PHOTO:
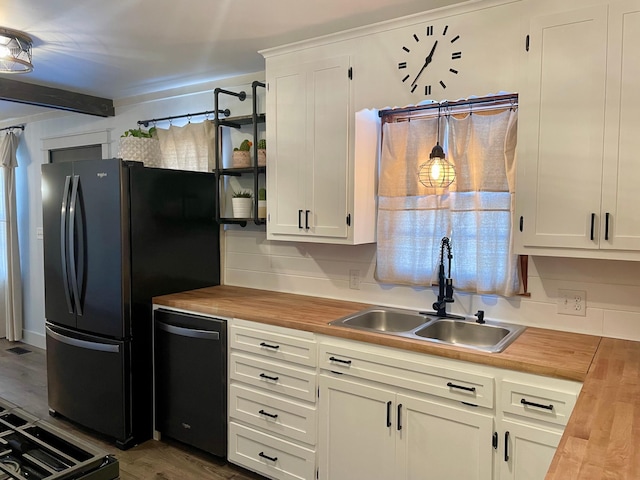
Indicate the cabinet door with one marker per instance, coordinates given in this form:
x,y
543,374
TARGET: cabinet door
x,y
440,442
562,123
526,451
621,173
357,431
308,106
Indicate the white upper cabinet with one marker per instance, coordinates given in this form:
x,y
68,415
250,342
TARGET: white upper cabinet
x,y
576,173
320,187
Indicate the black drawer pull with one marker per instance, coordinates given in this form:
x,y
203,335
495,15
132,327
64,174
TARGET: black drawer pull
x,y
461,387
606,226
339,360
275,379
538,405
593,226
389,414
273,459
399,416
299,218
275,347
272,415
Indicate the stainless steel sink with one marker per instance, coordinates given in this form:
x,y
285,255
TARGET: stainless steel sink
x,y
489,336
384,320
492,337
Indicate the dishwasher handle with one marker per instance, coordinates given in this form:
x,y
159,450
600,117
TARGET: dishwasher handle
x,y
189,332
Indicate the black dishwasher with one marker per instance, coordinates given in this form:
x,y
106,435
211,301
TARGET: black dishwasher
x,y
190,372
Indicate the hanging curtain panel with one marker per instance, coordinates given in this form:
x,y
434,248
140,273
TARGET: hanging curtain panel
x,y
10,278
187,148
475,212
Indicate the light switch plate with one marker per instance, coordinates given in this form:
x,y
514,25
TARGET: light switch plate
x,y
572,302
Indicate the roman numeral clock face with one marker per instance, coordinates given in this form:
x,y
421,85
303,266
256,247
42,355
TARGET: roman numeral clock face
x,y
430,60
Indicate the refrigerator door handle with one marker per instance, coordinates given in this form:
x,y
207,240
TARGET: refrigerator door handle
x,y
63,242
72,254
75,342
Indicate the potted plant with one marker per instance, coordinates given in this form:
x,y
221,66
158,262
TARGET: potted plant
x,y
140,145
242,201
262,203
241,157
262,153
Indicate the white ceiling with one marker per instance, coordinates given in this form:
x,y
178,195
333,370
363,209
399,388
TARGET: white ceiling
x,y
122,48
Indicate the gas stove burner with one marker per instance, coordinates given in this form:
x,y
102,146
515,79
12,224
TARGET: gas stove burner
x,y
11,466
33,449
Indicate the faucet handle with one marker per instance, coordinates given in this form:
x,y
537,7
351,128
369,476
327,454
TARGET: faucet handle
x,y
480,315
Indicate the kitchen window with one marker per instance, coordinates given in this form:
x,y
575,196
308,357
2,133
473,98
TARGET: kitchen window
x,y
475,211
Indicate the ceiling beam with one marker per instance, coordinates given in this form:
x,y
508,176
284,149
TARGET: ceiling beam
x,y
21,92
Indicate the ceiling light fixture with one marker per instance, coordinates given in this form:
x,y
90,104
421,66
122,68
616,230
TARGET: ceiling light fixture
x,y
437,172
15,51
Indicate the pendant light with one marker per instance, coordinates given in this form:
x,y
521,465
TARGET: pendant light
x,y
437,172
15,51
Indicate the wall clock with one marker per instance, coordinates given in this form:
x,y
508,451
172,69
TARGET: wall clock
x,y
429,58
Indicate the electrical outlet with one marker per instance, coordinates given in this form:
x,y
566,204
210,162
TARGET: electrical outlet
x,y
572,302
354,279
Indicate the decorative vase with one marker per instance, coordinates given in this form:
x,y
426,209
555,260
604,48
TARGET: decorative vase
x,y
241,159
262,209
145,150
262,157
242,207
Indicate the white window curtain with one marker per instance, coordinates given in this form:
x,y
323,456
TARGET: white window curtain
x,y
10,278
189,147
475,211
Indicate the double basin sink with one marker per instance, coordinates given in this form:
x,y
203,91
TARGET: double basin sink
x,y
489,336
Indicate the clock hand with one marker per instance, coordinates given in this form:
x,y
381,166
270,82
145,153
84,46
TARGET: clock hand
x,y
427,61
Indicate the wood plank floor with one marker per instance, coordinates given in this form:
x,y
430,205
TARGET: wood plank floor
x,y
23,381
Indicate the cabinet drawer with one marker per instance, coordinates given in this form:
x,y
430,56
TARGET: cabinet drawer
x,y
275,377
275,414
275,343
532,401
269,455
456,385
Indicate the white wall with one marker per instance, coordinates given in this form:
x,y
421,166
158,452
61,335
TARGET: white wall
x,y
612,287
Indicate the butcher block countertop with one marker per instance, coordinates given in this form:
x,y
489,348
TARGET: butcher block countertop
x,y
602,438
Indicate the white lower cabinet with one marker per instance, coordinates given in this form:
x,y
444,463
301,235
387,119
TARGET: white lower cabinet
x,y
527,450
272,400
373,430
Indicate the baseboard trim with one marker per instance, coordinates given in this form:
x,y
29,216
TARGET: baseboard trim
x,y
34,338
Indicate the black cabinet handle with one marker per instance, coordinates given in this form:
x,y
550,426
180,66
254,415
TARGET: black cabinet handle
x,y
275,379
593,225
339,360
461,387
389,414
538,405
300,219
399,416
272,415
275,347
494,441
273,459
506,446
306,219
606,226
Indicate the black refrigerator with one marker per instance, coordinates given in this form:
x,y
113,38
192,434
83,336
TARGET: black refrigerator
x,y
116,234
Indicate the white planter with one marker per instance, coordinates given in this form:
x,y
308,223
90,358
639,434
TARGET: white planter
x,y
242,207
241,159
262,157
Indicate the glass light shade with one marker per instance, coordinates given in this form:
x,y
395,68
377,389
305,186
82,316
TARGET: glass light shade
x,y
437,171
15,51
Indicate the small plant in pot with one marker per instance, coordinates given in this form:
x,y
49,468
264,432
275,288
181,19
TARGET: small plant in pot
x,y
262,153
241,157
262,203
140,145
242,201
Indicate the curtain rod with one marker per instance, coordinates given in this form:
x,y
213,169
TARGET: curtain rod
x,y
226,112
13,127
512,97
